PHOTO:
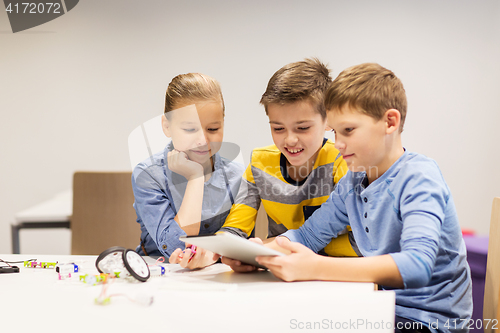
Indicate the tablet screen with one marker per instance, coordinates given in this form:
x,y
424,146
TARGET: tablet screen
x,y
232,246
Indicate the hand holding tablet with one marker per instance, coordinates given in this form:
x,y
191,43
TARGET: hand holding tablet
x,y
232,246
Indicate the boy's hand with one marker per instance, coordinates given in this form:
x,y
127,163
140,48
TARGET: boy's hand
x,y
300,265
186,259
237,265
179,162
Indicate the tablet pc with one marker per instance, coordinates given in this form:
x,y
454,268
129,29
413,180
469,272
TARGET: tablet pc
x,y
232,246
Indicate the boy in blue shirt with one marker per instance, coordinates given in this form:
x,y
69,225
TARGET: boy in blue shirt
x,y
398,205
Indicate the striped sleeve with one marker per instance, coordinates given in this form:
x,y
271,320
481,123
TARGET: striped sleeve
x,y
241,218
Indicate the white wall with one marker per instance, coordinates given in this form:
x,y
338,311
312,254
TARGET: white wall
x,y
71,90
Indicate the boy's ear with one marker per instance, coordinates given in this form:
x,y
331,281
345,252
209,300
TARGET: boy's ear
x,y
393,120
165,125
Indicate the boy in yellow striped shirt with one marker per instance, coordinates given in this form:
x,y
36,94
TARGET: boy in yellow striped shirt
x,y
293,177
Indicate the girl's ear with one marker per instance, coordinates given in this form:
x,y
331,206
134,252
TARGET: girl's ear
x,y
393,120
165,125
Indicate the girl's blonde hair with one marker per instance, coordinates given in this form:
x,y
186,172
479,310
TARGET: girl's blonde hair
x,y
192,88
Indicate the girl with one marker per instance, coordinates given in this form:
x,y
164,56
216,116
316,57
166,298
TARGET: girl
x,y
187,189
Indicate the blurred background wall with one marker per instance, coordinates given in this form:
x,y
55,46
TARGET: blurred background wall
x,y
71,90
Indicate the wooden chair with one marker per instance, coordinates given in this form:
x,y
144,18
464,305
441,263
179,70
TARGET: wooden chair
x,y
103,215
491,310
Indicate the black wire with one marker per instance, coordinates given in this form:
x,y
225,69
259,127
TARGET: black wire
x,y
14,262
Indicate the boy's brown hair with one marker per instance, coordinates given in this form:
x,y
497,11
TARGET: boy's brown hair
x,y
191,88
298,81
370,88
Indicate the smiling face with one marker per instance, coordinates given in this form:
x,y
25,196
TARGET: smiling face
x,y
197,130
298,131
366,144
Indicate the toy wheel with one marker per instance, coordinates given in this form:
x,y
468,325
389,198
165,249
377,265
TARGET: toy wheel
x,y
136,265
114,251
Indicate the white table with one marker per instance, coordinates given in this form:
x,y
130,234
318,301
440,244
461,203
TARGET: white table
x,y
53,213
214,299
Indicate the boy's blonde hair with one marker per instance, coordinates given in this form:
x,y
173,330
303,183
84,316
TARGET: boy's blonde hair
x,y
192,88
298,81
370,88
